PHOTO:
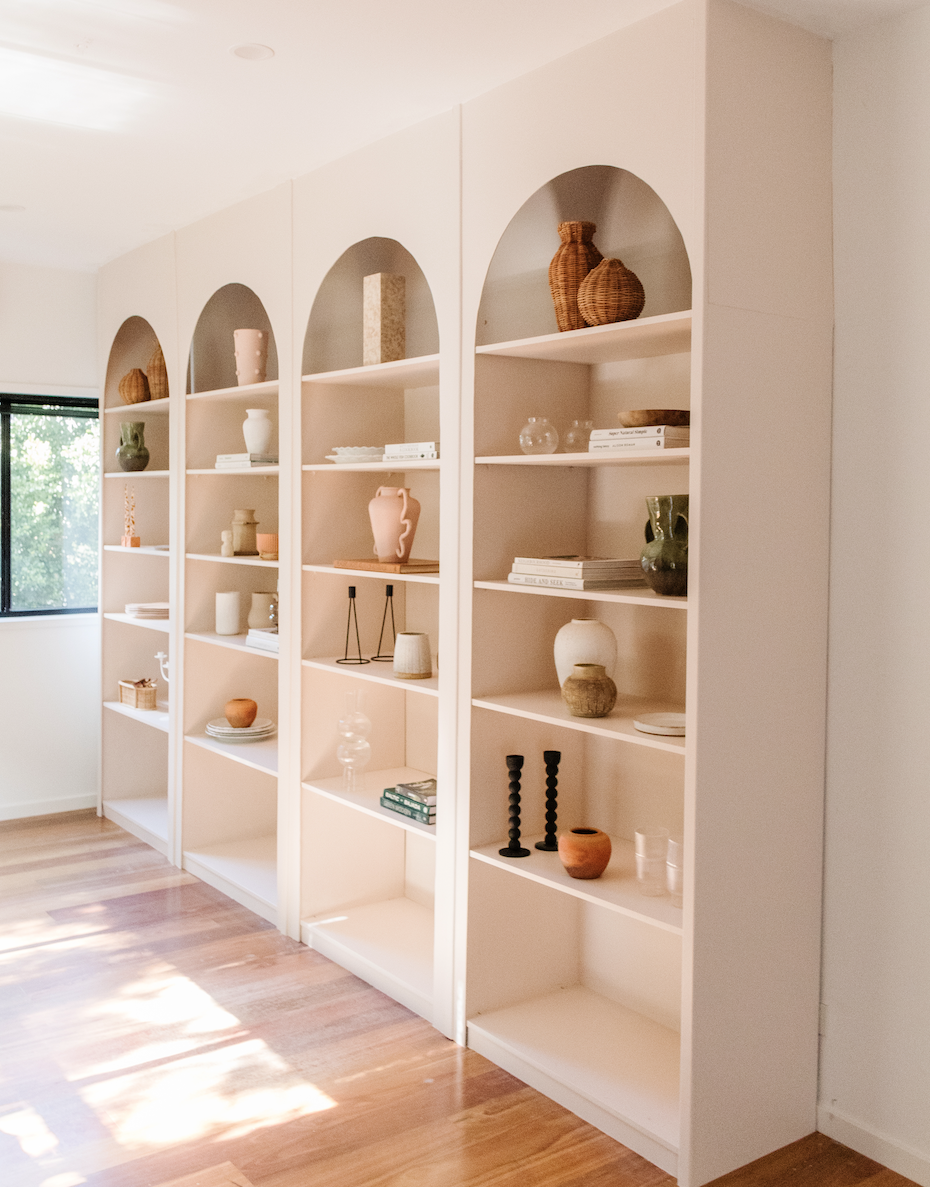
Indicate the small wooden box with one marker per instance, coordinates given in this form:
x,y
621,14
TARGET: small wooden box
x,y
137,698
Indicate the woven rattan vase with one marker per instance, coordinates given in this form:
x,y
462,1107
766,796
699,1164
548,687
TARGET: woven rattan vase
x,y
610,292
575,258
134,387
157,375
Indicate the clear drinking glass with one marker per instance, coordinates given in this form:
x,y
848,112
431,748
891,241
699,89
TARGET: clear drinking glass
x,y
354,752
578,436
538,436
651,860
674,869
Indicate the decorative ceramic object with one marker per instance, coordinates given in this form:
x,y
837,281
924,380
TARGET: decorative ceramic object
x,y
574,259
134,387
267,545
157,375
228,612
610,292
551,758
226,545
264,610
352,621
646,418
584,852
412,659
538,436
257,429
132,453
515,768
163,666
240,712
589,691
354,751
394,515
584,641
383,318
129,538
665,557
243,530
251,356
578,436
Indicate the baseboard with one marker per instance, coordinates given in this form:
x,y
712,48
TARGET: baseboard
x,y
879,1146
71,803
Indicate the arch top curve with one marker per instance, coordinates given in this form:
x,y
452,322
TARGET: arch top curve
x,y
134,345
211,360
633,225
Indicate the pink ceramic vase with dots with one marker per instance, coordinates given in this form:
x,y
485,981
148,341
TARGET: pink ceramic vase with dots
x,y
394,515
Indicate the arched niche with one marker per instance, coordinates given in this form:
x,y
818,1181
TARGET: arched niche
x,y
633,224
211,364
334,331
133,346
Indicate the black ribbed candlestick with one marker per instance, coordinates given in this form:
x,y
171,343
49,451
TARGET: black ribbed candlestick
x,y
551,758
514,849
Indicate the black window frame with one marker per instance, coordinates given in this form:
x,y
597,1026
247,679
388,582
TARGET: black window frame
x,y
83,407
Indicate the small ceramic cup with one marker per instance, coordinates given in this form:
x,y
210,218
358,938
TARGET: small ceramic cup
x,y
267,545
412,659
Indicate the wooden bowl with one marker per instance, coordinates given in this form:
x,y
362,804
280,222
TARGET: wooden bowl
x,y
240,712
643,418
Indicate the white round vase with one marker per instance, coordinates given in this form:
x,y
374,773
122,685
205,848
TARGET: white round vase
x,y
584,641
412,658
257,430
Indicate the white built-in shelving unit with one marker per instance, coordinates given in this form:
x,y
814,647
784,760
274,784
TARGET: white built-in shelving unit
x,y
688,1034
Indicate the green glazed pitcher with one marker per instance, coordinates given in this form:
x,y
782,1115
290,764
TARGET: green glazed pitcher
x,y
665,557
132,453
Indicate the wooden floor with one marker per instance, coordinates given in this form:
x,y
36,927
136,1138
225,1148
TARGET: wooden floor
x,y
151,1030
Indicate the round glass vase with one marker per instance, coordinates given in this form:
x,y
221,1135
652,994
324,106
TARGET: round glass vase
x,y
354,751
538,436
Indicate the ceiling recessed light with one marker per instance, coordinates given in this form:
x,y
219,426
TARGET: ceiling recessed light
x,y
12,209
252,52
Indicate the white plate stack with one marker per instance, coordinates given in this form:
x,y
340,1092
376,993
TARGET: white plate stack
x,y
349,454
147,609
261,727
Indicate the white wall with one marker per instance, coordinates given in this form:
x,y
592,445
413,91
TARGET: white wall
x,y
49,667
875,1070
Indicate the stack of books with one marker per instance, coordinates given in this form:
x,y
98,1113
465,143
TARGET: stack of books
x,y
147,609
265,638
417,801
408,451
653,437
576,572
245,461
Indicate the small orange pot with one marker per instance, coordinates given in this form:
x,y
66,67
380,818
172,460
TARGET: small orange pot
x,y
240,712
584,852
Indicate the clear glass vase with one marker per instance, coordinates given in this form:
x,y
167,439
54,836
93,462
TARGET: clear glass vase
x,y
354,751
578,436
538,436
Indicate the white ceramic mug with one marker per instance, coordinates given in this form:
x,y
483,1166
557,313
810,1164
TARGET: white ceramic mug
x,y
412,659
227,613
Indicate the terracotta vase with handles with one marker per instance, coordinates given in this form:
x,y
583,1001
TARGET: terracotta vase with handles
x,y
394,515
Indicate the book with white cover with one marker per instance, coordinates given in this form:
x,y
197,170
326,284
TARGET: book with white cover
x,y
645,431
413,448
620,570
571,563
638,443
573,582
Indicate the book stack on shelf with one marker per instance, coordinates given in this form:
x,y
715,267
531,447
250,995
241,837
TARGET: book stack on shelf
x,y
245,461
414,800
576,572
409,451
651,437
265,638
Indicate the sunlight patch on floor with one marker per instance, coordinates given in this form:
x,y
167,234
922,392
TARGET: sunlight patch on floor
x,y
29,1129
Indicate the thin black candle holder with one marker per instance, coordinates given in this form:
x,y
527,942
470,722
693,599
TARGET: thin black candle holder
x,y
514,849
388,605
351,620
551,758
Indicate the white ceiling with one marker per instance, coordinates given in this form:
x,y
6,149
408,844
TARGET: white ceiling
x,y
123,119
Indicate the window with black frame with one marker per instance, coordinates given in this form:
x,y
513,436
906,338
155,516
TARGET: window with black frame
x,y
49,504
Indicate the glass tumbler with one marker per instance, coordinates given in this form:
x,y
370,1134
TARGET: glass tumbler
x,y
651,860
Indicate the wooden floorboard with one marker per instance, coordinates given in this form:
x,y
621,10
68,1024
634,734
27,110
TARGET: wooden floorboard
x,y
153,1033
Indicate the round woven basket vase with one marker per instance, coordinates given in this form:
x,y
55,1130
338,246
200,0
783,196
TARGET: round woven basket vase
x,y
134,387
610,292
574,259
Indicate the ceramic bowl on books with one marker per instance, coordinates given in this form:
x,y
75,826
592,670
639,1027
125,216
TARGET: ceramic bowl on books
x,y
356,453
646,418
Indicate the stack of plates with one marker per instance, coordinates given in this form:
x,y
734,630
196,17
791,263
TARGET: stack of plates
x,y
261,727
356,453
147,609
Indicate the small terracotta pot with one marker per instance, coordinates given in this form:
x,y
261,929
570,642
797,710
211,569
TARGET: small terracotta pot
x,y
267,545
584,852
589,691
240,712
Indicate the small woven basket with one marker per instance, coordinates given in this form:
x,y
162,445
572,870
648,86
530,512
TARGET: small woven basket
x,y
135,696
574,259
134,387
157,375
610,292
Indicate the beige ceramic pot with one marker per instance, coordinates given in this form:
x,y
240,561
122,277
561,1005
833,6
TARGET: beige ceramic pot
x,y
394,515
584,852
240,712
589,691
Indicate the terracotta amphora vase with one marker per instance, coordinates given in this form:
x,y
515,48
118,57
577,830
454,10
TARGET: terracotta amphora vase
x,y
584,852
394,515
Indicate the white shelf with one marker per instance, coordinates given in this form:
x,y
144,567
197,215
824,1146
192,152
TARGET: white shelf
x,y
648,337
150,624
245,870
375,467
429,686
547,706
143,406
404,373
145,817
145,550
635,597
230,560
134,474
366,797
388,944
246,392
417,578
260,756
156,718
616,889
630,457
235,642
265,471
612,1066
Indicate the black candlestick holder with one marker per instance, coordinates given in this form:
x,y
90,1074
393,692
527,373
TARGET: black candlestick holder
x,y
352,620
514,849
551,758
388,605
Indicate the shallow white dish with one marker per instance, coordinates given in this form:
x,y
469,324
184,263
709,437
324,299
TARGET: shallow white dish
x,y
671,724
262,727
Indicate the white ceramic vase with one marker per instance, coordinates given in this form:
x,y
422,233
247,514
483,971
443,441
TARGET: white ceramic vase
x,y
227,613
584,641
257,430
251,355
412,659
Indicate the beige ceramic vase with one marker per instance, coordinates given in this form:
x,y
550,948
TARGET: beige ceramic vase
x,y
394,515
584,852
589,691
240,712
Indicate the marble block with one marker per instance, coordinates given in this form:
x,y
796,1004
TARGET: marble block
x,y
383,319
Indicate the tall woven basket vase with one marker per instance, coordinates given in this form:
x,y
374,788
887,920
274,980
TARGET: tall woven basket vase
x,y
610,292
574,259
157,375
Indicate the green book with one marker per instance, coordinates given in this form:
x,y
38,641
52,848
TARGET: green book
x,y
423,815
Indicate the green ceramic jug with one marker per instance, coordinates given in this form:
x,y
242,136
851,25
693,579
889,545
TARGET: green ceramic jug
x,y
132,453
665,557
